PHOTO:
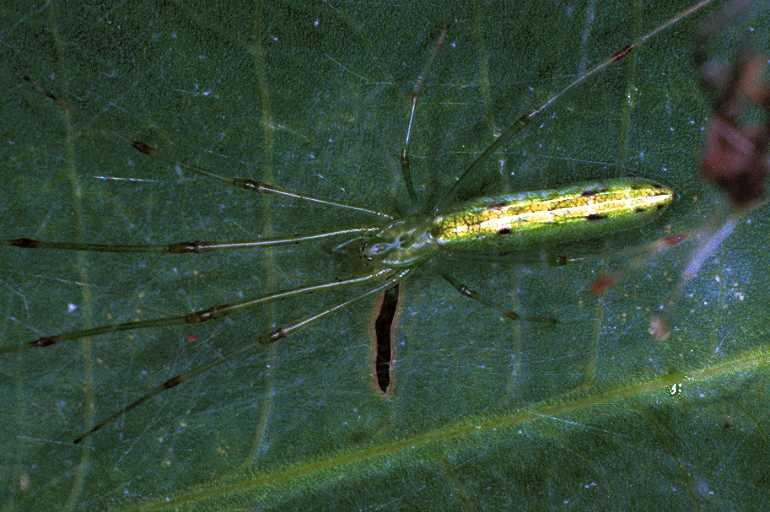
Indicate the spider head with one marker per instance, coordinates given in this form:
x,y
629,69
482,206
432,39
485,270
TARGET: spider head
x,y
402,243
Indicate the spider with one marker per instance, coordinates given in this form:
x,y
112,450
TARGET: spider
x,y
465,218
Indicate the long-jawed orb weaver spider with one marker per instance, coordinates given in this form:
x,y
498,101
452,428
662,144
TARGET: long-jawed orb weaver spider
x,y
145,146
546,222
490,224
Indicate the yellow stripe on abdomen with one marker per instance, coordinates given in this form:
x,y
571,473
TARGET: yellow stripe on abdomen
x,y
567,214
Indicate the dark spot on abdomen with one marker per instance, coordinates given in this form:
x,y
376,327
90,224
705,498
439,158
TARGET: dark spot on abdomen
x,y
595,216
504,231
592,191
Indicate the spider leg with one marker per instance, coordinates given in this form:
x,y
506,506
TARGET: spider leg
x,y
265,338
406,165
192,247
465,291
196,317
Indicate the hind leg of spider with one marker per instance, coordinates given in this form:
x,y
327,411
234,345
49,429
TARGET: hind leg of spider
x,y
734,154
476,178
635,258
465,291
406,164
265,338
197,317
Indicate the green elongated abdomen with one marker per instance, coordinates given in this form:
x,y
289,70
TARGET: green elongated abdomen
x,y
525,220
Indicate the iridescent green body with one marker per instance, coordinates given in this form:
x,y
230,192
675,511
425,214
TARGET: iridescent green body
x,y
523,221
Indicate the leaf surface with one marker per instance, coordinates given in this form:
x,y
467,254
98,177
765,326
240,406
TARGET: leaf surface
x,y
485,413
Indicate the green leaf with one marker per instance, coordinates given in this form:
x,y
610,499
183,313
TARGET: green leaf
x,y
485,413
